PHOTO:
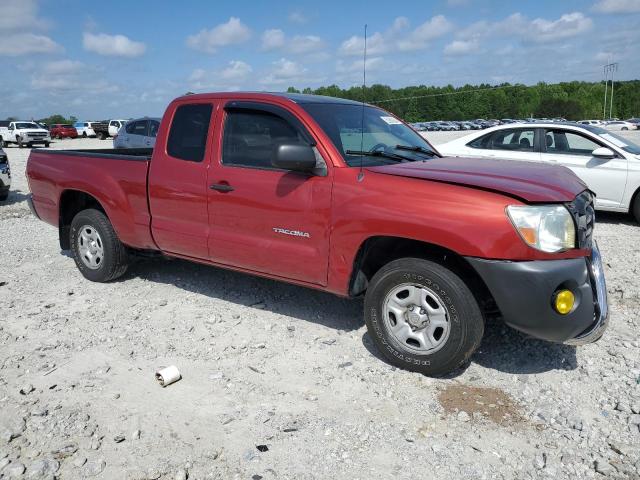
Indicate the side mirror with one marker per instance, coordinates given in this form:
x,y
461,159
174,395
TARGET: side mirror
x,y
603,152
295,157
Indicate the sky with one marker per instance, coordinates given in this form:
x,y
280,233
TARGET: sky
x,y
133,57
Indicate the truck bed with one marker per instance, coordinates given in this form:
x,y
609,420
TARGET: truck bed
x,y
116,177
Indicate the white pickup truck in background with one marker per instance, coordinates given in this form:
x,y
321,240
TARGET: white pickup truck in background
x,y
23,133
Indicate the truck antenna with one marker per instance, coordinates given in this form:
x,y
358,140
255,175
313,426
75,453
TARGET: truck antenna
x,y
364,93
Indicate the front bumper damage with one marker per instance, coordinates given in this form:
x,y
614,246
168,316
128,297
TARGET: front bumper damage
x,y
523,292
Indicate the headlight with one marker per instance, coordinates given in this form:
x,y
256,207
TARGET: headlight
x,y
548,228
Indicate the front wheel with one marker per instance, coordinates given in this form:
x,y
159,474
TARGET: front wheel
x,y
101,136
422,316
19,140
97,250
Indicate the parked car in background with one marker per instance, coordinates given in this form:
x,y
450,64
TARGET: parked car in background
x,y
268,184
84,129
607,163
635,121
138,133
115,126
63,130
590,122
23,133
5,175
620,125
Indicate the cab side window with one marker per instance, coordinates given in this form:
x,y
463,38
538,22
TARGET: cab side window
x,y
251,136
140,128
189,130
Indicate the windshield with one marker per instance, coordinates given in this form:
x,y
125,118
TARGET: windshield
x,y
382,133
27,125
620,142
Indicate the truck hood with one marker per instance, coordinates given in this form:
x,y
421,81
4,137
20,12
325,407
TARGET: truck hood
x,y
528,181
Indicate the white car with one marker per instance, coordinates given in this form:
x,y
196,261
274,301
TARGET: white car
x,y
607,163
84,129
139,133
620,125
23,133
591,122
115,126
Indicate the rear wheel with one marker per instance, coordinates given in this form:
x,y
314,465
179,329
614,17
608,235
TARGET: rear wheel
x,y
97,251
46,144
422,316
19,140
84,134
4,195
101,136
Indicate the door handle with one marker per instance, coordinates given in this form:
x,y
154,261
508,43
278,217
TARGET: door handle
x,y
222,187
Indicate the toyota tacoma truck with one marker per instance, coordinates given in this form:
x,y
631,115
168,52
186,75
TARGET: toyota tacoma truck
x,y
24,133
342,197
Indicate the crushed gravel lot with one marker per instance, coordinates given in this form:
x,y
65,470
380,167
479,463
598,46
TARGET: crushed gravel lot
x,y
281,382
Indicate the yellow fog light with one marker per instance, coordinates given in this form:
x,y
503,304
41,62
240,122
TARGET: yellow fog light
x,y
564,301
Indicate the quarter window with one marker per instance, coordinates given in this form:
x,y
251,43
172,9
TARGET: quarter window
x,y
140,128
569,143
189,130
250,137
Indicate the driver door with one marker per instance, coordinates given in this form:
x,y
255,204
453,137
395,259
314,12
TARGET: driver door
x,y
263,218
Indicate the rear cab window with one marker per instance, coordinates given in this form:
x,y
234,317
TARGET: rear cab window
x,y
189,131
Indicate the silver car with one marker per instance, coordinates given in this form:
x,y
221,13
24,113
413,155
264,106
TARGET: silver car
x,y
138,133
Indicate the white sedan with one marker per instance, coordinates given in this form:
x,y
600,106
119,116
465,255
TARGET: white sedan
x,y
620,125
607,163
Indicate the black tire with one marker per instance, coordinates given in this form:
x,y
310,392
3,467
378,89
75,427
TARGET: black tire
x,y
115,260
466,324
84,134
4,196
2,144
19,140
625,128
635,207
46,144
101,136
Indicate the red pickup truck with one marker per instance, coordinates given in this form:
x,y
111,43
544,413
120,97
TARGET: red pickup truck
x,y
343,197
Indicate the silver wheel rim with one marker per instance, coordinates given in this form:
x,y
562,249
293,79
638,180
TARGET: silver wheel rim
x,y
417,318
90,247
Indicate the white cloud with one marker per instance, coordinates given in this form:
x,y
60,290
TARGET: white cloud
x,y
284,71
61,67
14,45
20,15
461,47
539,30
568,25
298,17
617,6
276,39
112,45
231,33
272,39
398,37
230,77
373,64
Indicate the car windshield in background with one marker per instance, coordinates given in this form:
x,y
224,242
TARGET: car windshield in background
x,y
620,142
27,125
383,140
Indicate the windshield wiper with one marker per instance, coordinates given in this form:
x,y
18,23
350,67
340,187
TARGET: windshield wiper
x,y
416,148
380,153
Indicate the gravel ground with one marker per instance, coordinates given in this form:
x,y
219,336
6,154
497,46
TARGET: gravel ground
x,y
283,382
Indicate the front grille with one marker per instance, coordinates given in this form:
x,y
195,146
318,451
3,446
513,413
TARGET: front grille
x,y
37,134
584,215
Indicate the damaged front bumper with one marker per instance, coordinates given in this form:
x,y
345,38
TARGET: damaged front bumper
x,y
523,292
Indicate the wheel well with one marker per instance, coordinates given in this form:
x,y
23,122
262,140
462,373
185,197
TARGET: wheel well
x,y
71,203
633,200
376,252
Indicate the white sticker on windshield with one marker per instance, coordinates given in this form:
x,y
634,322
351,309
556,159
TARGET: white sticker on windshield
x,y
616,141
391,120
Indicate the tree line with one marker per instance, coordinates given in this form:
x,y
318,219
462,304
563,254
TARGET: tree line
x,y
571,100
